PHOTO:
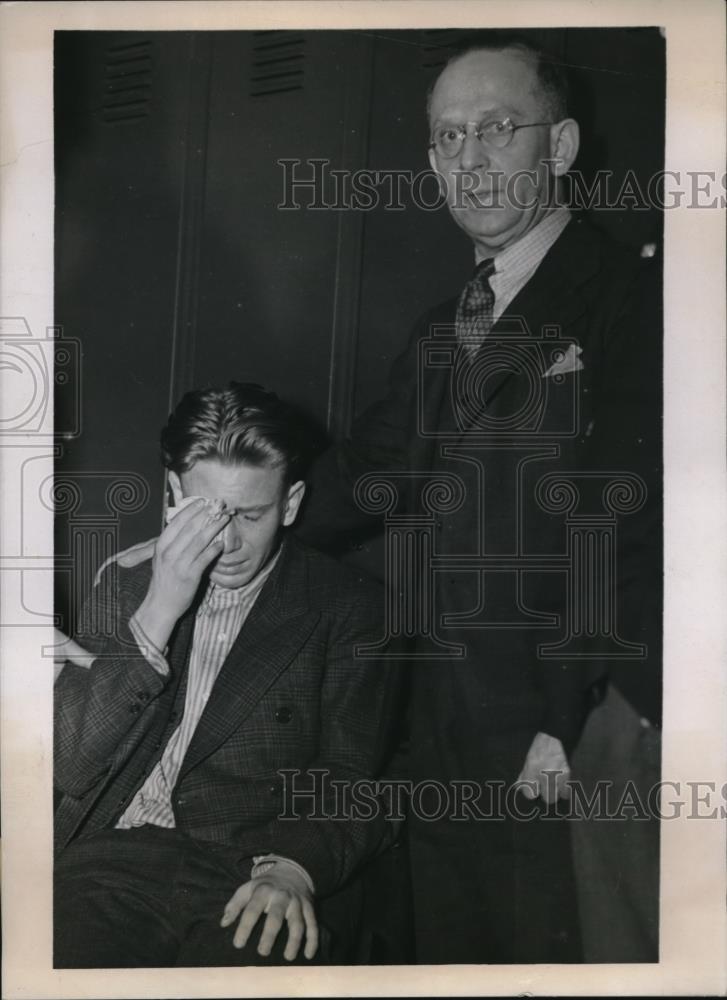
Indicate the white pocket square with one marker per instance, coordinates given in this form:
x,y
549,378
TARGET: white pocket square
x,y
569,362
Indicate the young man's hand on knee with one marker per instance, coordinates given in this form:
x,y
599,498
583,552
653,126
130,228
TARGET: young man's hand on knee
x,y
285,896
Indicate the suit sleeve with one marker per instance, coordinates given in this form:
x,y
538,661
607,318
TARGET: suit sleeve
x,y
97,709
626,438
629,439
336,820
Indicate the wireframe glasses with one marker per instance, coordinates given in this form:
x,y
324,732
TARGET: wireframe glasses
x,y
448,140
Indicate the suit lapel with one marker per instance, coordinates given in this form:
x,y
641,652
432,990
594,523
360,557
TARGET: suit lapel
x,y
551,298
553,294
275,630
433,384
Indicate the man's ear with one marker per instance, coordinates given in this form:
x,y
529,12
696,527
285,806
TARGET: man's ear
x,y
565,140
292,502
175,485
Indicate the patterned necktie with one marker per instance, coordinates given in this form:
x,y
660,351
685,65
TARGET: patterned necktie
x,y
474,309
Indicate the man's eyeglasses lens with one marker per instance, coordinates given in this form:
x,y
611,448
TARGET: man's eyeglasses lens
x,y
448,140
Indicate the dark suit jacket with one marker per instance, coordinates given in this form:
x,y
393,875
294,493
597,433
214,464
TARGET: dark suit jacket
x,y
291,694
607,418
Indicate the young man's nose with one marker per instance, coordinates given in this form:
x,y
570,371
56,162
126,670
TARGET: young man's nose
x,y
232,536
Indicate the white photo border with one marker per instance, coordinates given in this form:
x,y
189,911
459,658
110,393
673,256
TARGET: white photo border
x,y
693,920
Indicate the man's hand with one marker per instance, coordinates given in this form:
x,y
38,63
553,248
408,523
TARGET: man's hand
x,y
546,753
282,893
183,551
68,649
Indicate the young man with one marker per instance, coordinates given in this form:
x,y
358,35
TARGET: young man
x,y
225,653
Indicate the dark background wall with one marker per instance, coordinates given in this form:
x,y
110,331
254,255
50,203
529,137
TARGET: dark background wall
x,y
176,267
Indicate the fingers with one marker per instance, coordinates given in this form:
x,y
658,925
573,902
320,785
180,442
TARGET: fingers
x,y
258,897
178,525
60,638
207,544
249,918
178,506
204,538
69,649
276,910
235,903
296,930
195,535
311,929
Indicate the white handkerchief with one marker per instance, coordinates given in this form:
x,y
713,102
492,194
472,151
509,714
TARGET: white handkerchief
x,y
570,362
217,506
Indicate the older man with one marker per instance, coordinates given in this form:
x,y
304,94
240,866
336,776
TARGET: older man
x,y
544,370
226,679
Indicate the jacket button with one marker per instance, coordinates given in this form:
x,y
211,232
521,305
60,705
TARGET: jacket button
x,y
142,695
134,709
284,714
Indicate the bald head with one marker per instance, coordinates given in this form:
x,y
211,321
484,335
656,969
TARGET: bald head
x,y
549,85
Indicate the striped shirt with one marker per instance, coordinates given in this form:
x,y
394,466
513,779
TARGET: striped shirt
x,y
219,619
516,265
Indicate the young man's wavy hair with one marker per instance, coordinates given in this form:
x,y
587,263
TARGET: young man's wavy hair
x,y
243,423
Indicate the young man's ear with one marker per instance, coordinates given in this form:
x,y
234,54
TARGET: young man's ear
x,y
293,501
175,486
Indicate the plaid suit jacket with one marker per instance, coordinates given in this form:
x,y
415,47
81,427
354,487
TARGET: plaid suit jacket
x,y
292,696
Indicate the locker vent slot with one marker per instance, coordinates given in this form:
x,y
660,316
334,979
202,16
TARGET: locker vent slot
x,y
127,81
278,63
